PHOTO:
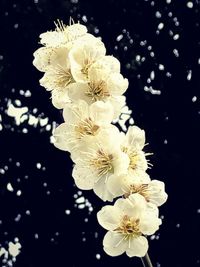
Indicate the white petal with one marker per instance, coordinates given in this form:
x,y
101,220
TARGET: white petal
x,y
121,163
118,102
138,247
109,217
108,63
83,178
117,84
61,137
75,112
149,221
100,189
78,91
115,185
60,98
114,244
156,192
101,112
135,137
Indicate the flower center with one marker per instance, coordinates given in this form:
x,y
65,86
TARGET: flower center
x,y
86,127
141,189
133,157
129,227
63,77
103,162
97,91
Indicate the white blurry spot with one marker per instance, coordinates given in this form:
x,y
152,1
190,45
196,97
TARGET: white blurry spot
x,y
152,54
36,236
43,122
74,1
48,127
16,112
119,37
168,1
168,74
25,130
33,120
14,249
152,91
27,93
148,80
67,212
149,47
153,237
161,67
137,58
176,53
165,142
19,192
198,211
170,14
178,225
194,99
161,26
189,76
152,75
84,18
9,187
176,37
86,220
80,200
158,15
98,256
18,164
131,121
38,165
189,4
18,103
2,171
81,206
3,252
17,218
28,212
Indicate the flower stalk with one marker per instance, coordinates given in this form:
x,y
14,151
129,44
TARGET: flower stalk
x,y
146,261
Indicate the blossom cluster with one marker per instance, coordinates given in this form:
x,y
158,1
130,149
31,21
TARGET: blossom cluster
x,y
86,84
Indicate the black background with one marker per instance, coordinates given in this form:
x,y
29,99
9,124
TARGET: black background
x,y
50,237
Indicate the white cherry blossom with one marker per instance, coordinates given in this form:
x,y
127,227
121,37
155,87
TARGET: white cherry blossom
x,y
104,84
98,162
133,143
83,123
82,55
127,221
139,182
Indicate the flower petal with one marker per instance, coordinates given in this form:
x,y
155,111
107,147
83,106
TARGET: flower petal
x,y
114,244
100,189
83,178
156,192
138,247
109,217
101,112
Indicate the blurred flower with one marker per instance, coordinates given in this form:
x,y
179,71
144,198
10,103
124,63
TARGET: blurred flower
x,y
127,221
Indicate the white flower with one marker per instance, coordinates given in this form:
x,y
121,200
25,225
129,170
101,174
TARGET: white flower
x,y
133,143
63,34
105,83
82,124
98,162
127,221
82,55
139,182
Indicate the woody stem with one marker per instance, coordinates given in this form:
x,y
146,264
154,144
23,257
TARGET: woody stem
x,y
146,261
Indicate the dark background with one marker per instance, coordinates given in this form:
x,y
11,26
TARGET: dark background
x,y
38,217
